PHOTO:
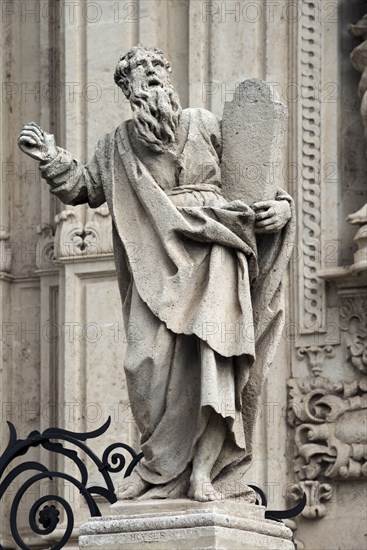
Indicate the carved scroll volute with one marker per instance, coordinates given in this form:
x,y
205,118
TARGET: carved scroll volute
x,y
45,250
330,428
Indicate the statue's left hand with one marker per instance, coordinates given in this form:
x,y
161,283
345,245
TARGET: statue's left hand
x,y
271,216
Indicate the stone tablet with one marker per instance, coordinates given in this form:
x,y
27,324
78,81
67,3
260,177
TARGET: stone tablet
x,y
253,130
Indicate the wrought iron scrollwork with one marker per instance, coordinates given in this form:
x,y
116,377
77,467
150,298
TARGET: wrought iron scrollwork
x,y
44,515
279,515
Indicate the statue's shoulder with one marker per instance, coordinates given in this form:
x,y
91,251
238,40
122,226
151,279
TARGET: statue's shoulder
x,y
202,115
107,141
206,122
120,129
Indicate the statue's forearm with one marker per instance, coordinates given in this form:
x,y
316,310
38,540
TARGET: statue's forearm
x,y
72,182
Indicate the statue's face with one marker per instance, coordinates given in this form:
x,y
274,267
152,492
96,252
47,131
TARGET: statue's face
x,y
147,70
153,99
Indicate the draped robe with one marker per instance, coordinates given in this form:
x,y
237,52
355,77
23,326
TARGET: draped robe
x,y
204,292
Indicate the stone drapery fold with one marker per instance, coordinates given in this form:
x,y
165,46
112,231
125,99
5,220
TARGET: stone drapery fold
x,y
194,273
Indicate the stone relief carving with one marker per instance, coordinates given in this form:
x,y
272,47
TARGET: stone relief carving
x,y
329,417
45,249
317,494
359,61
69,234
98,236
315,356
330,428
204,284
312,316
353,321
75,239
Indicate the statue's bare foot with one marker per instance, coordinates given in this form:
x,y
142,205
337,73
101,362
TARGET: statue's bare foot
x,y
132,487
203,490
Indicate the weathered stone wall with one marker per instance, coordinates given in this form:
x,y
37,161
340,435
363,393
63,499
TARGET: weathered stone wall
x,y
62,335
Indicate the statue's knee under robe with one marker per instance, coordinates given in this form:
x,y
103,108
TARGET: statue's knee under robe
x,y
172,379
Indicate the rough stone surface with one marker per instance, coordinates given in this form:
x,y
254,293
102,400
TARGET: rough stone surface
x,y
184,524
254,129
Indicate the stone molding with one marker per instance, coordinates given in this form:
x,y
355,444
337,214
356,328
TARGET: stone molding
x,y
181,524
312,294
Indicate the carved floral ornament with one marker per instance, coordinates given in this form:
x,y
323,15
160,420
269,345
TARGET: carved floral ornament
x,y
317,494
74,239
333,442
329,417
45,251
330,436
353,321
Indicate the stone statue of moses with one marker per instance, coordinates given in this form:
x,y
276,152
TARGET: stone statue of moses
x,y
205,287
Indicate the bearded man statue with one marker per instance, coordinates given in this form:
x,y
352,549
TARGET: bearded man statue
x,y
204,287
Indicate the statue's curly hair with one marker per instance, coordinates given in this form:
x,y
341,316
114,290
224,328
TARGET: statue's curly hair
x,y
123,66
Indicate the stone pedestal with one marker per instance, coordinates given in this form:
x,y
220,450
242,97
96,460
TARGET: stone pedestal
x,y
185,524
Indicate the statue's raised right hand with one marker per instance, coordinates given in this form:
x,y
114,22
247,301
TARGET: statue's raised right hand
x,y
36,143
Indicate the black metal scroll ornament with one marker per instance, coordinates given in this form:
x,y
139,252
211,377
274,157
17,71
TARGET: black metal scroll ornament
x,y
43,517
279,515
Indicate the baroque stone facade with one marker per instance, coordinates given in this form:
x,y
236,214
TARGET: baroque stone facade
x,y
61,320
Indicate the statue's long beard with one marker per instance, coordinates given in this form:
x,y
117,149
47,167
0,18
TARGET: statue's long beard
x,y
156,115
